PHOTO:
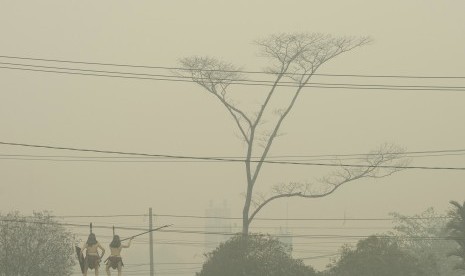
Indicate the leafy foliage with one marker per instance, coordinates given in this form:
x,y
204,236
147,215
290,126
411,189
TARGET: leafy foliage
x,y
376,256
34,246
423,235
456,228
255,255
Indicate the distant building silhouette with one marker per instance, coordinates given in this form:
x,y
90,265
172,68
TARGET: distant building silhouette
x,y
218,221
285,236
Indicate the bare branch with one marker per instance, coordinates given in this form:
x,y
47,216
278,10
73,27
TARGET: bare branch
x,y
216,76
303,53
387,155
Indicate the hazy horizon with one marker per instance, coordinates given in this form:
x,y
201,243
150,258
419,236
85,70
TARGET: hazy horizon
x,y
413,38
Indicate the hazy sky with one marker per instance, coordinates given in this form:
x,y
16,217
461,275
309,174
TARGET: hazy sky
x,y
421,38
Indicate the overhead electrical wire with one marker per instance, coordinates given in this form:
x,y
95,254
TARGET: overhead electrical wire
x,y
300,245
229,159
334,157
277,226
237,71
334,86
320,256
301,219
132,159
162,77
312,236
413,154
240,218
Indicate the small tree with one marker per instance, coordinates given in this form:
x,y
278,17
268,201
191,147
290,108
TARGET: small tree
x,y
34,246
260,255
295,58
456,228
375,256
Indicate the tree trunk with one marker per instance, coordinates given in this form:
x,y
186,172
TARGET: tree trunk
x,y
246,210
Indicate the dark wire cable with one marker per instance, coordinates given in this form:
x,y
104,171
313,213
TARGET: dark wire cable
x,y
239,83
237,71
235,81
230,160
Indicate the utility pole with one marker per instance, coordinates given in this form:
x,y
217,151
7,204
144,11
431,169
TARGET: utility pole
x,y
151,242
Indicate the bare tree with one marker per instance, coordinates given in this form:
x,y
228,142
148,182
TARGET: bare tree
x,y
294,59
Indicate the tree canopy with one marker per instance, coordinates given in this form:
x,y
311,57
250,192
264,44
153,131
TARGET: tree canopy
x,y
255,255
376,256
425,236
456,228
34,246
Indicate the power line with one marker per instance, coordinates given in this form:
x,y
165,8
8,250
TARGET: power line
x,y
279,226
300,219
319,257
231,160
151,160
391,88
236,71
239,81
312,236
406,154
296,245
258,218
66,224
105,216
